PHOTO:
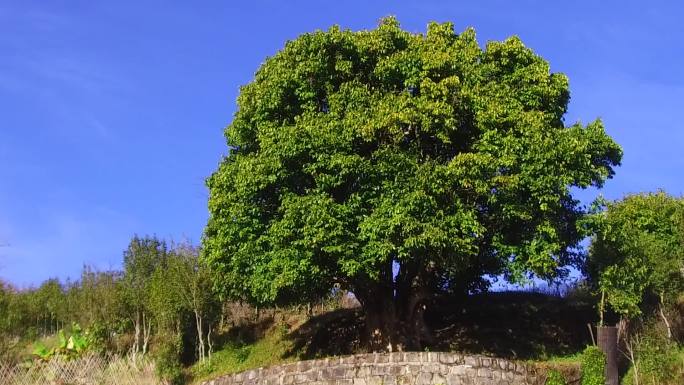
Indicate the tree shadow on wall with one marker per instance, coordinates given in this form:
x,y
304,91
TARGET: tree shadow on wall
x,y
334,333
516,325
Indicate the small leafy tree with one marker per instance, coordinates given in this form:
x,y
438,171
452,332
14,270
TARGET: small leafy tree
x,y
398,166
182,289
637,255
142,257
50,306
196,294
99,301
636,261
6,321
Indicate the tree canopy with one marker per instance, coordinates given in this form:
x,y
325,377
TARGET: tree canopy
x,y
637,255
398,166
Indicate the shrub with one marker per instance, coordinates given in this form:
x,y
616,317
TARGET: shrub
x,y
167,360
593,366
555,378
657,358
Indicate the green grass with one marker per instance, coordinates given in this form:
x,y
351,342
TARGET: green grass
x,y
272,349
27,347
568,359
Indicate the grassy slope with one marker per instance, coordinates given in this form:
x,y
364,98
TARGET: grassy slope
x,y
271,349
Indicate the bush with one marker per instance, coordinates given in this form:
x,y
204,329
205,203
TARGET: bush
x,y
593,366
167,360
657,358
555,378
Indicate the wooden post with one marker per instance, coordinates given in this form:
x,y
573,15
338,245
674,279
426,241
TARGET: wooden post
x,y
607,342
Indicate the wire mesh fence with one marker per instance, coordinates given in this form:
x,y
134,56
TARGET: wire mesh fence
x,y
89,370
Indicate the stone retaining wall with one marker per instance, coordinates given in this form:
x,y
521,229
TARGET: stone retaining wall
x,y
412,368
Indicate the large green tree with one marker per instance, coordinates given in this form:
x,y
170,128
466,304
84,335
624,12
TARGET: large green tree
x,y
398,166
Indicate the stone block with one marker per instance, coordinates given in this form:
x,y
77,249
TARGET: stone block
x,y
473,361
433,356
444,369
520,368
396,370
288,379
458,370
359,381
327,374
378,370
350,372
381,359
439,379
395,357
303,366
340,372
503,364
454,379
412,357
430,367
363,372
447,358
250,374
424,379
484,373
349,360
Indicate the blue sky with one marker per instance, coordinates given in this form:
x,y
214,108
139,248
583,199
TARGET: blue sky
x,y
112,113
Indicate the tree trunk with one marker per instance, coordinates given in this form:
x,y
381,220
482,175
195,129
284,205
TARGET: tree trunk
x,y
381,324
136,340
394,320
662,315
147,331
200,337
209,344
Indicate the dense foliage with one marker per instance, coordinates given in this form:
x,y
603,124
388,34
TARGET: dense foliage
x,y
163,292
637,255
398,166
593,366
636,263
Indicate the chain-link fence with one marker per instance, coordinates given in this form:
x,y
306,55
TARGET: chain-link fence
x,y
90,370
